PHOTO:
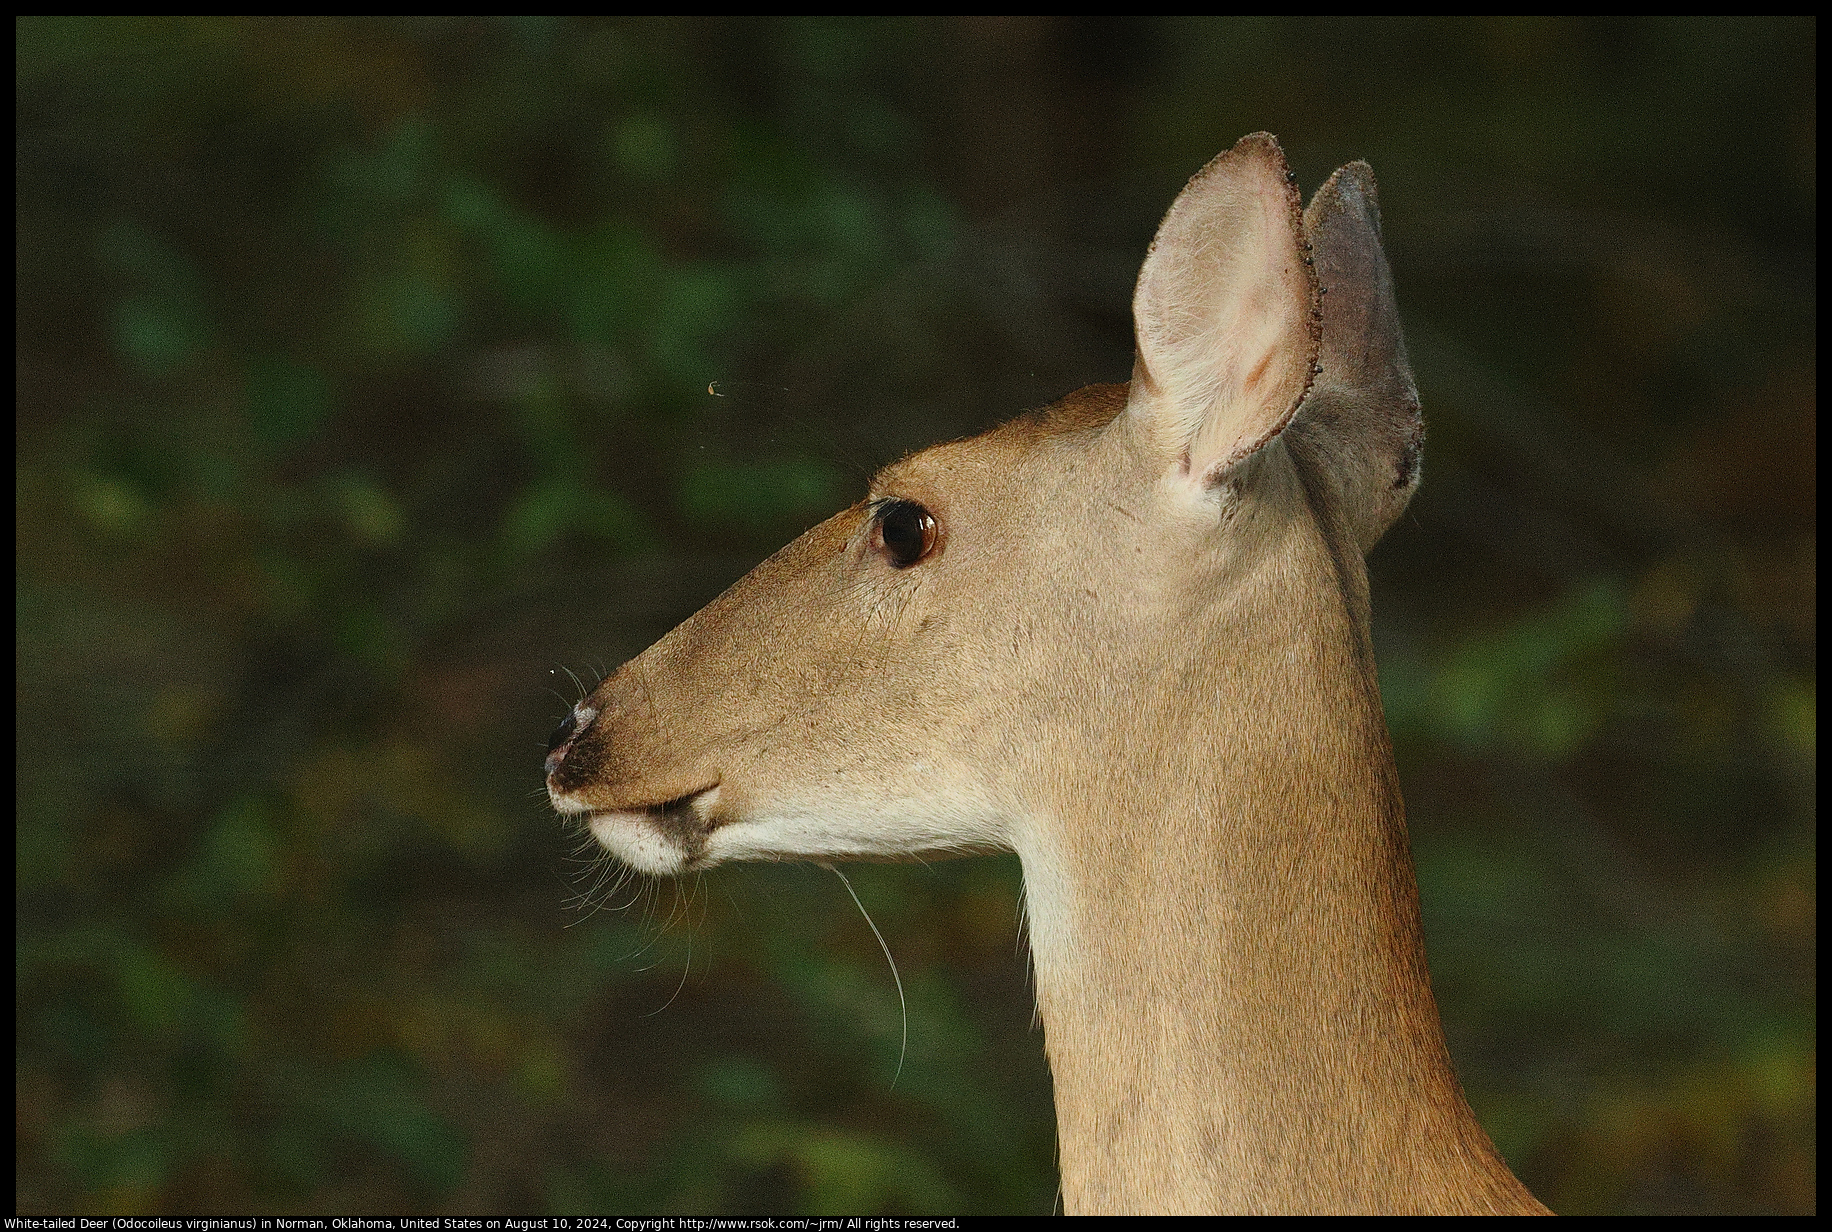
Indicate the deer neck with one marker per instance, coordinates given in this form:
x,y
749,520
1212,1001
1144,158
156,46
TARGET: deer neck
x,y
1226,937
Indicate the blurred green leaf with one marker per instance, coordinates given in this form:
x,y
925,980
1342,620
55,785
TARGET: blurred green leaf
x,y
560,507
768,493
1537,684
379,1101
287,401
645,147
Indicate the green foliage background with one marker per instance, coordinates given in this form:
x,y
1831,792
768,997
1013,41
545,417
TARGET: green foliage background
x,y
363,385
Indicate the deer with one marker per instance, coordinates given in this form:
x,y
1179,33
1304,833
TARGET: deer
x,y
1127,637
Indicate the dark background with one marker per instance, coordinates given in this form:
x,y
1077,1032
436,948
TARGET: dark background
x,y
363,389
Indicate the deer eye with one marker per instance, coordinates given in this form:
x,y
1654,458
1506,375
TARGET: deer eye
x,y
906,531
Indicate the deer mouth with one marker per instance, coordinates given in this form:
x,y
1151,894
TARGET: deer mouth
x,y
664,839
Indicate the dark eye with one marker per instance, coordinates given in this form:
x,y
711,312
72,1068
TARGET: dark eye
x,y
907,531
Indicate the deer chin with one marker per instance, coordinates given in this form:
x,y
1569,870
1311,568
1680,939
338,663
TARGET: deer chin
x,y
664,839
635,839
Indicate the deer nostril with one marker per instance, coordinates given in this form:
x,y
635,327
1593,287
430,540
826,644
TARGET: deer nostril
x,y
561,742
564,731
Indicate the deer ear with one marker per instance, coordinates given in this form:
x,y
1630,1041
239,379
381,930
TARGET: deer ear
x,y
1364,407
1225,313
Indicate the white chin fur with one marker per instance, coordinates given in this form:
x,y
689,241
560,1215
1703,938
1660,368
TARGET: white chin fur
x,y
566,804
632,838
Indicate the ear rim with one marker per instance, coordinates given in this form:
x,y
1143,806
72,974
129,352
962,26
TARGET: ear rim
x,y
1351,196
1368,389
1262,148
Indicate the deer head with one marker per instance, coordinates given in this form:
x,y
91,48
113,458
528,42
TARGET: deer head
x,y
918,673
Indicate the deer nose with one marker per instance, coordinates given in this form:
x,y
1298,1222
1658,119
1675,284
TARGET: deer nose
x,y
577,720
